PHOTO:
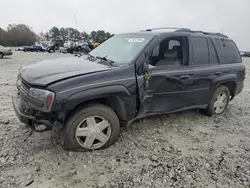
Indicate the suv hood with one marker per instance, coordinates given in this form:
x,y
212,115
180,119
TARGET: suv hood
x,y
48,71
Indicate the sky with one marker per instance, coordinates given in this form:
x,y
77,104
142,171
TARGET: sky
x,y
231,17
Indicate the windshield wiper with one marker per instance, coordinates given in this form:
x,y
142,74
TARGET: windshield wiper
x,y
110,62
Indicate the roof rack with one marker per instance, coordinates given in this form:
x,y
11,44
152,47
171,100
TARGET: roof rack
x,y
188,30
204,33
160,28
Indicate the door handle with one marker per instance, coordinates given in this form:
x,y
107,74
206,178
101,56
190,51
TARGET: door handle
x,y
184,77
218,73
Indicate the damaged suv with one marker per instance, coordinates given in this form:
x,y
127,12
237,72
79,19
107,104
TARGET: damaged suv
x,y
129,76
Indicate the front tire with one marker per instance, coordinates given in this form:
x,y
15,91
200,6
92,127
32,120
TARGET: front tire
x,y
219,101
1,55
94,127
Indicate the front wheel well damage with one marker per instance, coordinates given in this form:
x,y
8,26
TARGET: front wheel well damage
x,y
114,102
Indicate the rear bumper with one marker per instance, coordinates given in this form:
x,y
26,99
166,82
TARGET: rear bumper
x,y
24,113
238,89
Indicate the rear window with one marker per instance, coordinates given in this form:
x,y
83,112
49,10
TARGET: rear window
x,y
200,48
229,51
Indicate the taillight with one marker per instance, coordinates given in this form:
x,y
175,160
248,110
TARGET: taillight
x,y
9,50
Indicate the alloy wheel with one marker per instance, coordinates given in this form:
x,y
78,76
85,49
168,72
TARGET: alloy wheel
x,y
220,102
93,132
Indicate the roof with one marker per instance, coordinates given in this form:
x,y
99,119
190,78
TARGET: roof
x,y
178,32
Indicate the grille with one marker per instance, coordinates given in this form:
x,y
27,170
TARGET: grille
x,y
24,86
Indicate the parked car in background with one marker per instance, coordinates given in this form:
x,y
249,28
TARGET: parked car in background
x,y
26,48
44,48
52,48
5,51
84,48
245,54
63,49
33,49
70,47
20,48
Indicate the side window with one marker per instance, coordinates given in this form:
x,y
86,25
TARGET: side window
x,y
173,43
229,51
212,52
156,51
200,50
170,52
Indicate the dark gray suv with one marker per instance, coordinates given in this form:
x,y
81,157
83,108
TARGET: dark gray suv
x,y
129,76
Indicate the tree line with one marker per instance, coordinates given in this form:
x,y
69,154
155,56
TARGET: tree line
x,y
22,35
64,34
17,35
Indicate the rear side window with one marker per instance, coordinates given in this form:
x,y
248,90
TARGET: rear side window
x,y
229,51
212,53
200,50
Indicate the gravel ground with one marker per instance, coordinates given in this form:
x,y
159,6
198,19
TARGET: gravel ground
x,y
185,149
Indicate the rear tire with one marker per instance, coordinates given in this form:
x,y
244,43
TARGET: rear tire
x,y
1,55
219,101
86,126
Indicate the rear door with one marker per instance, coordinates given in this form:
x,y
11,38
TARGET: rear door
x,y
205,67
170,88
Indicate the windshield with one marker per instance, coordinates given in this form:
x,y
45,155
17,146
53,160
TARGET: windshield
x,y
121,48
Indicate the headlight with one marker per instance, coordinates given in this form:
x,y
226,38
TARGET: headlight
x,y
45,96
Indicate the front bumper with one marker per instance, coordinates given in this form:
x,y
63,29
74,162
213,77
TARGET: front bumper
x,y
29,116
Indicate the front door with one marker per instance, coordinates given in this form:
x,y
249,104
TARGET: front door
x,y
168,80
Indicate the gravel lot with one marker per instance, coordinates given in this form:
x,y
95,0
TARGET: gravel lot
x,y
186,149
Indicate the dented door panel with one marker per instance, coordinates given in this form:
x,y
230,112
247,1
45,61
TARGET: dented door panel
x,y
170,90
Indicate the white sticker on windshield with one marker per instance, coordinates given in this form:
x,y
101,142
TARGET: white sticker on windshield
x,y
136,39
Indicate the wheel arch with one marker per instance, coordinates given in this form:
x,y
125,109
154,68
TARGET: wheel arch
x,y
110,96
230,81
231,85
